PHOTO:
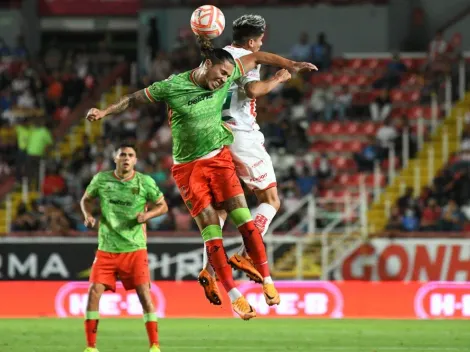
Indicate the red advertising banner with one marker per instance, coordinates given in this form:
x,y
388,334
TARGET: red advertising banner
x,y
88,7
299,299
408,260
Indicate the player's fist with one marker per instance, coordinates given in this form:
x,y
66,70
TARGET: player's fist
x,y
90,222
283,75
301,66
94,114
141,218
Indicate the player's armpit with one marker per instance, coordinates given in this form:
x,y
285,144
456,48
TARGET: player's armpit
x,y
130,100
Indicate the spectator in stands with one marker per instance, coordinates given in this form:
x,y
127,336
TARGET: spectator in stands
x,y
6,103
437,47
430,216
26,100
369,154
53,183
160,68
323,168
302,51
393,74
25,221
381,107
322,52
39,141
23,131
323,95
5,169
395,220
386,136
410,221
306,181
452,218
4,49
407,201
340,103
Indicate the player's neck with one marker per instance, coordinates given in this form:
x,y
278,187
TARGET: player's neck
x,y
198,77
122,175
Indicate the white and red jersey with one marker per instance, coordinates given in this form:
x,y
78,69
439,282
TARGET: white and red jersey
x,y
239,110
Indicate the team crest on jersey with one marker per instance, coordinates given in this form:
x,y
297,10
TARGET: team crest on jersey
x,y
135,190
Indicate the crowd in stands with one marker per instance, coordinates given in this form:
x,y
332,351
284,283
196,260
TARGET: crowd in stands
x,y
287,117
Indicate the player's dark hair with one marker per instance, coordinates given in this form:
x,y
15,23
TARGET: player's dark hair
x,y
216,55
247,27
126,145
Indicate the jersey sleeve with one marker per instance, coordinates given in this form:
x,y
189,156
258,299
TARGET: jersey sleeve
x,y
158,91
94,186
152,192
251,76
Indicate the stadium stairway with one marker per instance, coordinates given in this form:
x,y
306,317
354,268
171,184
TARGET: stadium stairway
x,y
377,215
72,141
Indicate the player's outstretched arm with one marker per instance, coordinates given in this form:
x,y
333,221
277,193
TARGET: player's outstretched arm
x,y
257,89
156,209
130,100
86,205
250,61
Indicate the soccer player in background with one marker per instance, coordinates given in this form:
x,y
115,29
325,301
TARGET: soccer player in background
x,y
127,199
252,162
203,168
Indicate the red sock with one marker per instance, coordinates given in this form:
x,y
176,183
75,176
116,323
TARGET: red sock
x,y
255,247
218,259
152,332
91,330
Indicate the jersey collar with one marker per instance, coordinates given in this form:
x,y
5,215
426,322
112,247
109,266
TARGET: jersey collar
x,y
129,178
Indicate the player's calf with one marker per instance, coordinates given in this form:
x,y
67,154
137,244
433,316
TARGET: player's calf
x,y
150,317
92,315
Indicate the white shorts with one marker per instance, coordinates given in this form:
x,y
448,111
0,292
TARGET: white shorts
x,y
252,162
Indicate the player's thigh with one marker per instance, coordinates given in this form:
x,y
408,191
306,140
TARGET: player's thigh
x,y
133,269
103,270
253,163
224,182
193,186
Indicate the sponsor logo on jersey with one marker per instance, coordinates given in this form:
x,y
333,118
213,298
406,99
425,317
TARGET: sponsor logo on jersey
x,y
258,179
120,202
201,98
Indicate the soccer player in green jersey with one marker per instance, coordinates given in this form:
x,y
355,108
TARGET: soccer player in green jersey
x,y
127,199
203,167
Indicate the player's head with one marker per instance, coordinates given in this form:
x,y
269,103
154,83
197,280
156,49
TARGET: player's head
x,y
125,158
218,64
248,32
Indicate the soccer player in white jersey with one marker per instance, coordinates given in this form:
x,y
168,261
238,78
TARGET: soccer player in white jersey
x,y
253,163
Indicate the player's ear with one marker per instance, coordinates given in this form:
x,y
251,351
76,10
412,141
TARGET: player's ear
x,y
251,43
208,64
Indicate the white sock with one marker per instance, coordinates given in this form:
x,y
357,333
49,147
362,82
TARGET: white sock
x,y
263,216
234,294
205,262
268,280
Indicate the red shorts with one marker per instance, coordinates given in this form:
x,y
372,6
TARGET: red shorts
x,y
132,269
206,181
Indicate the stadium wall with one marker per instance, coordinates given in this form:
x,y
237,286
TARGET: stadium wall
x,y
299,299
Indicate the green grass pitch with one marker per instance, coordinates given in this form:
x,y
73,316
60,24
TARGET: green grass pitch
x,y
231,335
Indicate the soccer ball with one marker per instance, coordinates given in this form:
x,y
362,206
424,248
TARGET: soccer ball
x,y
208,21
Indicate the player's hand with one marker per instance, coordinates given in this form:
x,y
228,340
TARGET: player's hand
x,y
90,222
94,114
283,75
142,217
302,66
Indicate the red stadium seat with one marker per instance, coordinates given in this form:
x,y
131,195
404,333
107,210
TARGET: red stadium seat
x,y
316,128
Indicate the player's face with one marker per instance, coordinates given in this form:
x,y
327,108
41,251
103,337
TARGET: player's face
x,y
125,159
218,74
256,43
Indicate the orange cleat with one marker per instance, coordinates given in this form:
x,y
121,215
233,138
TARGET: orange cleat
x,y
210,287
271,295
243,308
246,265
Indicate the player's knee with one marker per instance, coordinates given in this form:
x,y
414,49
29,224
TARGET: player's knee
x,y
94,293
270,197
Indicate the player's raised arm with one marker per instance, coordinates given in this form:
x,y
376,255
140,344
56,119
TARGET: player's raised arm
x,y
257,89
250,61
130,100
156,209
86,205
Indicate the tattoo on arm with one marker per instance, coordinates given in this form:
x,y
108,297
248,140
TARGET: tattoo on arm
x,y
131,100
235,203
